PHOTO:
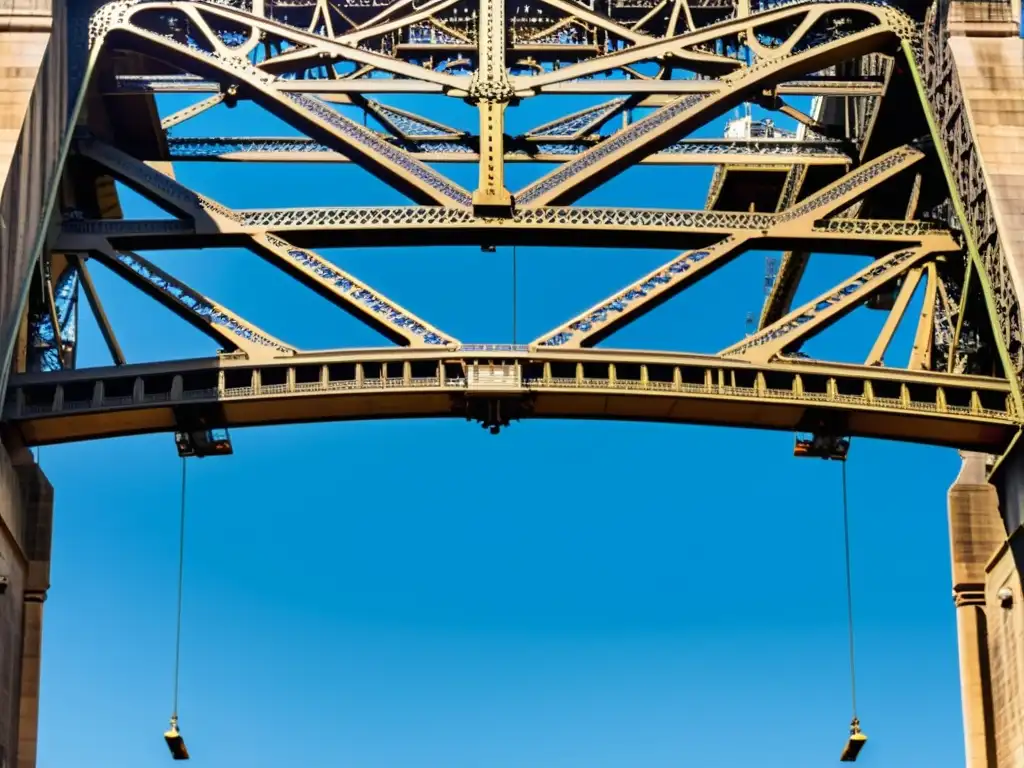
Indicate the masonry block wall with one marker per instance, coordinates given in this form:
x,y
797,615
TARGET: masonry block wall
x,y
1004,609
34,72
26,518
989,598
33,118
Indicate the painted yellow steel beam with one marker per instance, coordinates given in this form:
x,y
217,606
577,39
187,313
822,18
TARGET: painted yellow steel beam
x,y
170,194
96,305
960,411
632,302
286,32
492,91
816,315
349,293
215,320
666,125
187,113
780,160
924,337
681,45
892,321
391,164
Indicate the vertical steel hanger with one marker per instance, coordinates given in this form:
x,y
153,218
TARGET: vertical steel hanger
x,y
857,739
175,743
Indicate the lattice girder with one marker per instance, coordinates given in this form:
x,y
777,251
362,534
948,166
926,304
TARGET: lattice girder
x,y
355,297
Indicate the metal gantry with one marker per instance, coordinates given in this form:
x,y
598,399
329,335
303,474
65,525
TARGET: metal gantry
x,y
865,173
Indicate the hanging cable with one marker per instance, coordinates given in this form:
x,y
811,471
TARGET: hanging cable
x,y
173,737
181,581
514,297
849,593
857,739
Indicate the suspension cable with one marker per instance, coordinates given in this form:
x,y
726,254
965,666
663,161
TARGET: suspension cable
x,y
849,593
181,574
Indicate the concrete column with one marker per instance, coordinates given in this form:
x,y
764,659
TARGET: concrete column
x,y
976,533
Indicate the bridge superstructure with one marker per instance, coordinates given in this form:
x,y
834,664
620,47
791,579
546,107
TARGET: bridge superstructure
x,y
907,156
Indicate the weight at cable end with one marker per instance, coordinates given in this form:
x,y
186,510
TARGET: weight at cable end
x,y
854,744
175,742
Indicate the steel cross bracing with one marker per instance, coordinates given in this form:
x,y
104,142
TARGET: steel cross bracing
x,y
868,182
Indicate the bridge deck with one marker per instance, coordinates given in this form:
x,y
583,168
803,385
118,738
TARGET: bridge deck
x,y
959,411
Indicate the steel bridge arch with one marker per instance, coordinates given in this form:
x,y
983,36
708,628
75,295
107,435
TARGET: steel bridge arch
x,y
928,406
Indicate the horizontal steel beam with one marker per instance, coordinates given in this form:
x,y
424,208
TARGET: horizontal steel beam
x,y
960,411
778,152
796,88
129,85
556,225
134,85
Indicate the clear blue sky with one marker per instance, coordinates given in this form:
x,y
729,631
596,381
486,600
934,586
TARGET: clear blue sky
x,y
423,594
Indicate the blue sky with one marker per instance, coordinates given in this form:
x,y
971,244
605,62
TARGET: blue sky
x,y
421,593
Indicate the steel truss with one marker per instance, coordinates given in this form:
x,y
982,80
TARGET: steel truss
x,y
666,69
